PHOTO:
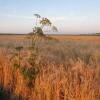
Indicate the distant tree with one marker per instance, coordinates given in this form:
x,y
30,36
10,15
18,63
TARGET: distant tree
x,y
38,28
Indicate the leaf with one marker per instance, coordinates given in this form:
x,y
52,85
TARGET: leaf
x,y
45,22
37,15
24,72
54,28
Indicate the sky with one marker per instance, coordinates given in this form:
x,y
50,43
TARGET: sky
x,y
69,16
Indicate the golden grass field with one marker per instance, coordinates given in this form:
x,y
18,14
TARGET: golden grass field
x,y
68,68
59,37
78,38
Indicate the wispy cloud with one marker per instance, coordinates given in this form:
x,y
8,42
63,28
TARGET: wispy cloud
x,y
30,17
58,18
55,19
19,16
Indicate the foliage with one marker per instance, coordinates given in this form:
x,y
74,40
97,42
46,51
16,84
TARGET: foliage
x,y
37,15
38,28
54,28
16,66
27,73
38,31
24,72
45,22
16,57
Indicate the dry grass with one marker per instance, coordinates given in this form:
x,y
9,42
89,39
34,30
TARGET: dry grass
x,y
59,37
78,38
73,73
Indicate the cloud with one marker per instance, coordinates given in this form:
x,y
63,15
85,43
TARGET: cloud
x,y
30,17
19,16
57,18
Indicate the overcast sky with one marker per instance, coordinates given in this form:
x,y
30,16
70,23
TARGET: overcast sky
x,y
70,16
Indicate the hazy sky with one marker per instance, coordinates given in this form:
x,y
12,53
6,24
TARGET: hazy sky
x,y
70,16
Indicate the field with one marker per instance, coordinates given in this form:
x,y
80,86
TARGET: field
x,y
59,67
78,38
84,38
